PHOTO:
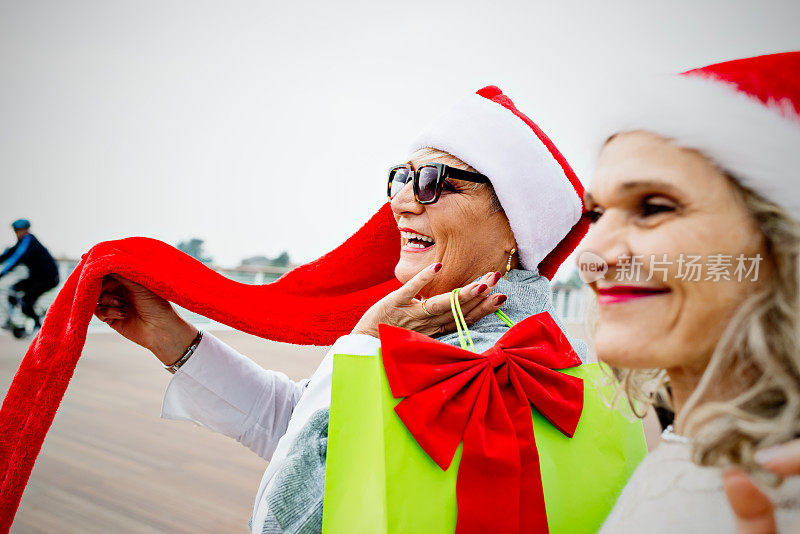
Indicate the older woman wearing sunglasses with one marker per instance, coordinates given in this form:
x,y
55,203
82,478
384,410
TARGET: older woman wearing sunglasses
x,y
485,202
695,207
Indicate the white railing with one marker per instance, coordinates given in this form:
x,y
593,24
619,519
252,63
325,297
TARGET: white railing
x,y
568,300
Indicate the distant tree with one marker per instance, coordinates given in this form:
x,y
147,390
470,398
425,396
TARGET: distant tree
x,y
194,248
257,261
281,260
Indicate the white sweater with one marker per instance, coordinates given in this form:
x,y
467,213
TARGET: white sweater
x,y
264,410
668,493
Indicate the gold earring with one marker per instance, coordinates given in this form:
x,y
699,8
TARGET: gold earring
x,y
508,265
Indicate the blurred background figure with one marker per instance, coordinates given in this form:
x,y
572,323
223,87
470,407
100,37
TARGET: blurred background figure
x,y
42,275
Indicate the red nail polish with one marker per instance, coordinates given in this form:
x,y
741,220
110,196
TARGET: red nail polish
x,y
501,299
437,267
482,288
497,276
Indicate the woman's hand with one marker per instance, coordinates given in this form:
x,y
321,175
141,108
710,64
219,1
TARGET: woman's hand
x,y
402,308
754,511
145,318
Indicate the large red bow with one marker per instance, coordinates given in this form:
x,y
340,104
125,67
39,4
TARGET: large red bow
x,y
453,395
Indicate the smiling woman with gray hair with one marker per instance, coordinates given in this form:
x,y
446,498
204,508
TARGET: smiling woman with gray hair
x,y
485,202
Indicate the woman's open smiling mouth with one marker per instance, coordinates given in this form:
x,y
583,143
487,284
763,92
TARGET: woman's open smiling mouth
x,y
416,242
621,293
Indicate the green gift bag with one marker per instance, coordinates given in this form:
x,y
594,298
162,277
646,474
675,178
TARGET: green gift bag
x,y
380,481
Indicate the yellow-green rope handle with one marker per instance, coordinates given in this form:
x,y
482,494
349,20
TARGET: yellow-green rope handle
x,y
505,318
461,323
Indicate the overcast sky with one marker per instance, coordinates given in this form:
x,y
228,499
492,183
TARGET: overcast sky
x,y
265,126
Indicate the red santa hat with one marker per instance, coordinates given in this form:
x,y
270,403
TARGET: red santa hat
x,y
540,193
743,114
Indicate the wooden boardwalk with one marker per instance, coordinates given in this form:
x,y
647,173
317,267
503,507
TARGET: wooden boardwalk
x,y
110,464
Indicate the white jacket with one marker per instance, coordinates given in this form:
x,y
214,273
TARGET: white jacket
x,y
264,410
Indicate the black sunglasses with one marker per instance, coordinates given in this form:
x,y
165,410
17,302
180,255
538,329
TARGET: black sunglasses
x,y
429,180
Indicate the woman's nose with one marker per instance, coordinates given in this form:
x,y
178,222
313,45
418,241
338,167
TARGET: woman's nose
x,y
607,238
404,201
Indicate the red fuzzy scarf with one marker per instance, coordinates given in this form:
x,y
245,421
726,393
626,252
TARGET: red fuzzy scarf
x,y
312,305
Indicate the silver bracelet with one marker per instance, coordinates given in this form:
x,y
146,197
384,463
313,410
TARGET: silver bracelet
x,y
186,355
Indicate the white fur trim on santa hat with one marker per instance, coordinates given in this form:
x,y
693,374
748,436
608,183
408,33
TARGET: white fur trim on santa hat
x,y
540,202
758,144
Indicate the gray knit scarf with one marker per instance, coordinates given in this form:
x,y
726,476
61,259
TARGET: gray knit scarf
x,y
295,500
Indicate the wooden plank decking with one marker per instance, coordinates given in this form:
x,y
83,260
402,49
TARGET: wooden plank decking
x,y
110,464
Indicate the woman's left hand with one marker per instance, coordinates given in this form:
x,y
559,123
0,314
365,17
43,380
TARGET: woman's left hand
x,y
754,511
402,308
